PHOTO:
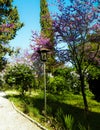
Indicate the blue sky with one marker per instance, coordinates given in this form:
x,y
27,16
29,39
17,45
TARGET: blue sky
x,y
29,15
29,12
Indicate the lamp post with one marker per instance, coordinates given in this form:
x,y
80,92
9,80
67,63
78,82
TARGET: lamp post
x,y
43,56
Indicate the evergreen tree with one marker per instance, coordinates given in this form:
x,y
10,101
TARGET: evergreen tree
x,y
46,29
46,21
9,21
9,25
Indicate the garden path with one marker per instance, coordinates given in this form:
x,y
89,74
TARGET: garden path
x,y
10,119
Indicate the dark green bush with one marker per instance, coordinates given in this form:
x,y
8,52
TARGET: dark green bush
x,y
94,81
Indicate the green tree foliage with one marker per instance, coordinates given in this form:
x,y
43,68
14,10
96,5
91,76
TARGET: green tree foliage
x,y
94,80
64,79
46,21
20,75
93,48
9,21
56,85
9,25
47,29
2,59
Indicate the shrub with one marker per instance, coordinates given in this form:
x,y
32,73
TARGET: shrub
x,y
94,81
20,75
56,84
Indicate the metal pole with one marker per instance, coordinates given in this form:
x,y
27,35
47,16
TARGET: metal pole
x,y
44,88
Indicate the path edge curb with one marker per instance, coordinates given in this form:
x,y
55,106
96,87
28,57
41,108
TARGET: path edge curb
x,y
26,116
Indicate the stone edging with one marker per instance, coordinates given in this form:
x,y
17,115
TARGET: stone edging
x,y
35,122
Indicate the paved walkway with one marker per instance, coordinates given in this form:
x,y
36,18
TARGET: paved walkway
x,y
10,119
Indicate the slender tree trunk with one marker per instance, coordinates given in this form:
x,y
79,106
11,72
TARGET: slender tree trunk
x,y
83,93
85,100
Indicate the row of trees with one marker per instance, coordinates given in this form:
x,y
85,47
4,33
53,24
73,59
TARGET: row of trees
x,y
22,77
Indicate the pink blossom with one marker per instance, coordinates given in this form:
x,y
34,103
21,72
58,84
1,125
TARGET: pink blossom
x,y
39,41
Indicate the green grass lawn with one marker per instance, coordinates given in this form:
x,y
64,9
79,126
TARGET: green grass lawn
x,y
33,105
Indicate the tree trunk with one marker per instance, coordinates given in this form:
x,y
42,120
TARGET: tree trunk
x,y
85,100
83,93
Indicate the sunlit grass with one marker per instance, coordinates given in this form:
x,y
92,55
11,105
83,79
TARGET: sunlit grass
x,y
12,92
33,104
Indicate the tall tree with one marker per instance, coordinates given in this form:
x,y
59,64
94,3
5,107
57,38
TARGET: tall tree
x,y
9,25
46,23
72,25
9,21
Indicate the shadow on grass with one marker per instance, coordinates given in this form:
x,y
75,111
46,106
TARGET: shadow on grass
x,y
8,96
54,104
78,114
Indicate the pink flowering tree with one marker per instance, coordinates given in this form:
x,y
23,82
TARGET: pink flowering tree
x,y
30,56
72,25
39,41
